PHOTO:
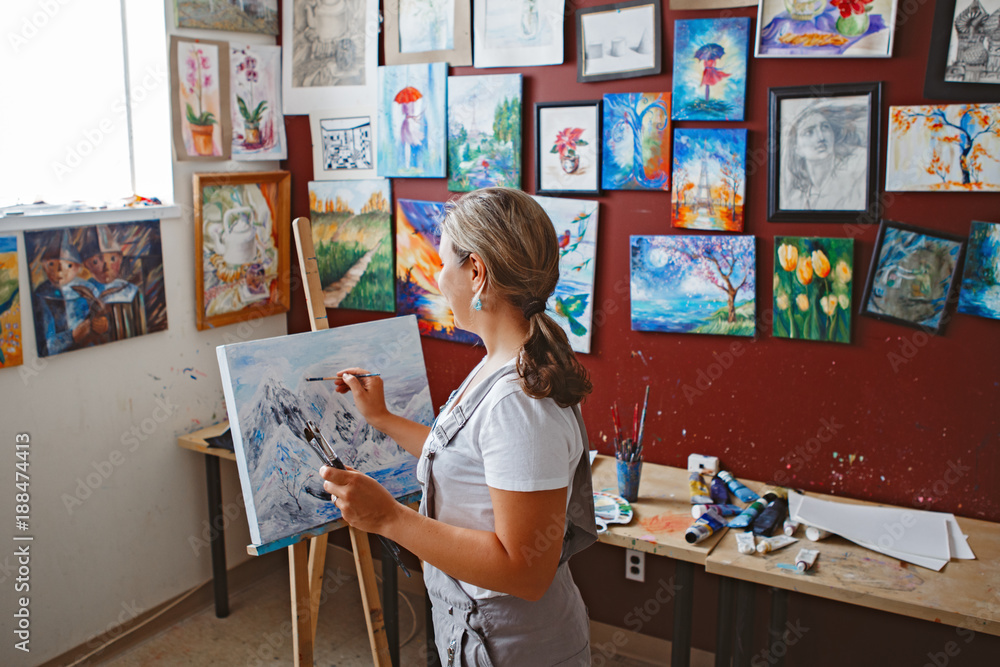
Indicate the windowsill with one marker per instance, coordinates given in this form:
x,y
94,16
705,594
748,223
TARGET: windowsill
x,y
47,218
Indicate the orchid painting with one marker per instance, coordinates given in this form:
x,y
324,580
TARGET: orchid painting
x,y
200,89
255,101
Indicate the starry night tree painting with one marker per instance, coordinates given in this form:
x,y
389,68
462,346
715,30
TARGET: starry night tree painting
x,y
636,152
693,284
710,68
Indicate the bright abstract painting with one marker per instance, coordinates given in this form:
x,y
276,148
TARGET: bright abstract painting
x,y
709,179
411,120
417,267
693,284
812,288
255,103
710,68
484,131
981,281
270,398
945,147
352,238
10,305
636,151
571,305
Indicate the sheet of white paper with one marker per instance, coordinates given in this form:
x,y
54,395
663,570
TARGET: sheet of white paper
x,y
593,456
935,564
958,542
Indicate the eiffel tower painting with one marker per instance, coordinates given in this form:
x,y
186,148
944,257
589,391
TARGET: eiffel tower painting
x,y
703,197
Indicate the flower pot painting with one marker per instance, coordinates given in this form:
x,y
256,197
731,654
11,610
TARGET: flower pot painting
x,y
980,293
417,267
693,284
411,120
484,131
255,103
571,304
948,147
636,150
10,305
709,179
825,29
710,68
813,278
568,147
352,237
201,98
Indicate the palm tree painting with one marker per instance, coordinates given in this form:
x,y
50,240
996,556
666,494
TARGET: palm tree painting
x,y
710,68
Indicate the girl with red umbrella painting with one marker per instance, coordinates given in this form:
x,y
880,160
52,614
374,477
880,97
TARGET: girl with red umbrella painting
x,y
709,54
411,131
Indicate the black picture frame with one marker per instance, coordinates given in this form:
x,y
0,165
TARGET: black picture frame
x,y
935,85
586,14
955,279
544,186
779,169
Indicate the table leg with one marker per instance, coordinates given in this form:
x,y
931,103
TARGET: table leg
x,y
779,615
680,651
742,652
433,659
390,604
218,540
724,628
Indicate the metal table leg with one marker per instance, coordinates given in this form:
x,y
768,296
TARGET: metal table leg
x,y
218,536
743,650
680,651
724,629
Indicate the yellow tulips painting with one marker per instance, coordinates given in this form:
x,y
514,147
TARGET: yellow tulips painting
x,y
812,288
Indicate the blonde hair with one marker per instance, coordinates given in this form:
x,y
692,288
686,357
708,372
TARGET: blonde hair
x,y
517,243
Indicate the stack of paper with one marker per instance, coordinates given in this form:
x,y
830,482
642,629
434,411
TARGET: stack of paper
x,y
928,539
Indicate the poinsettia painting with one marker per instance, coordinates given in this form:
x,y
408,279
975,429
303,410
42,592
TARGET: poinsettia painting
x,y
568,142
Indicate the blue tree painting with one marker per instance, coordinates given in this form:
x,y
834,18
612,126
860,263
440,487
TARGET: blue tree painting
x,y
636,151
710,68
981,281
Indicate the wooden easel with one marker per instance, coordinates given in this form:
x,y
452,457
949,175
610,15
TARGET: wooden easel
x,y
306,558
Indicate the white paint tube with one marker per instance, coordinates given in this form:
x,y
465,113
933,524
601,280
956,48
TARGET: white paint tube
x,y
745,543
806,559
790,527
707,524
768,544
815,534
721,510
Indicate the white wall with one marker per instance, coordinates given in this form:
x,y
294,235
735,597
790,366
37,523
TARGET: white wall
x,y
118,511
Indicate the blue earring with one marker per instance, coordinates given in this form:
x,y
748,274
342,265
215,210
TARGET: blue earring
x,y
477,304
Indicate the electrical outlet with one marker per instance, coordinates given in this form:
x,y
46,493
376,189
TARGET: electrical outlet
x,y
635,565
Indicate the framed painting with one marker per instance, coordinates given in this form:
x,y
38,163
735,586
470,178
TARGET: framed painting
x,y
693,284
958,64
709,179
571,304
980,293
636,142
412,125
944,148
352,235
484,131
344,143
418,264
330,53
241,231
428,31
255,103
518,34
710,68
568,147
619,41
199,91
11,350
825,28
279,470
827,144
258,16
913,276
813,278
95,284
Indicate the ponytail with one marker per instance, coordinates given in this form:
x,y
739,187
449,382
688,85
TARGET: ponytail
x,y
547,366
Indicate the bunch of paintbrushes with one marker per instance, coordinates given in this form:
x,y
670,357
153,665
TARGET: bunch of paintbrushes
x,y
630,449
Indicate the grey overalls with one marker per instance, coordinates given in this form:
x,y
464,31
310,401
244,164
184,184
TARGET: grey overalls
x,y
506,630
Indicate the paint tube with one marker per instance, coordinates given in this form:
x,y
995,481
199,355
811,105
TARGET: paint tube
x,y
790,527
806,559
768,544
815,534
745,519
746,543
721,510
719,491
768,520
743,493
700,495
707,524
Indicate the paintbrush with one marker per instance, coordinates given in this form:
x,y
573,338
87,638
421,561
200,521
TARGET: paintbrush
x,y
642,420
366,375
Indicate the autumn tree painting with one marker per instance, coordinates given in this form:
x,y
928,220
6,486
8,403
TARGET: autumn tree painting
x,y
709,175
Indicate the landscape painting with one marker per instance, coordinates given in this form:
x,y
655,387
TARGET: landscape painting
x,y
417,267
484,131
279,471
813,278
255,103
825,28
693,284
709,179
256,16
636,150
980,293
352,238
11,353
944,148
412,121
572,303
710,68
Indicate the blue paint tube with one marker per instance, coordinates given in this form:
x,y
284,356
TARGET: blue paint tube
x,y
707,524
746,518
700,495
743,493
719,491
721,510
